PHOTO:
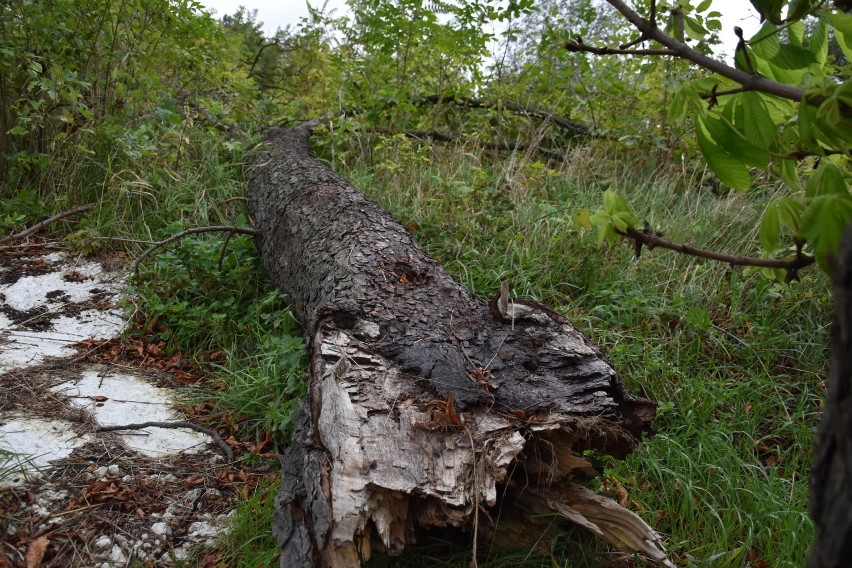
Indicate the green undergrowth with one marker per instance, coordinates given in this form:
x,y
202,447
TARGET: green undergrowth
x,y
249,543
736,362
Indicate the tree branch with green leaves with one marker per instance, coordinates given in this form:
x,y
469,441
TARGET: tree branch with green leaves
x,y
785,100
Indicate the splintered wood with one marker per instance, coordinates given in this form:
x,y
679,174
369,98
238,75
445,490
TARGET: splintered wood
x,y
383,455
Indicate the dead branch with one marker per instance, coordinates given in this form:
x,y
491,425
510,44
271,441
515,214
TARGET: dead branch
x,y
649,239
182,234
38,226
226,450
508,145
560,121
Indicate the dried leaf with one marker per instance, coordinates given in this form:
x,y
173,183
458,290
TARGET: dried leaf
x,y
36,550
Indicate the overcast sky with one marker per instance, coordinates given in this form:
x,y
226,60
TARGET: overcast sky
x,y
279,13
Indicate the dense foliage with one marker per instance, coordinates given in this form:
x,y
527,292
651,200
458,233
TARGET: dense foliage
x,y
499,134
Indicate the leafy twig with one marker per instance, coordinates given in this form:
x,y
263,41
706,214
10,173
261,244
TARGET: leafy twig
x,y
226,450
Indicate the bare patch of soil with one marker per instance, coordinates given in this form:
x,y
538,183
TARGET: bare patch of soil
x,y
71,495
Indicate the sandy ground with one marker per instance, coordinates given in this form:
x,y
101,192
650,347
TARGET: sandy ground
x,y
70,494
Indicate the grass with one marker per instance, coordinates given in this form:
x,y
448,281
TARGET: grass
x,y
247,544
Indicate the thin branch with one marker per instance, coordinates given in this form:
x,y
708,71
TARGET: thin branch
x,y
802,154
562,122
508,145
182,234
226,450
566,124
125,240
256,59
51,246
651,240
714,94
575,46
38,226
224,249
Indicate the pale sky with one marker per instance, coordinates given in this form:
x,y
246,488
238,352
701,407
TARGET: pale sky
x,y
279,13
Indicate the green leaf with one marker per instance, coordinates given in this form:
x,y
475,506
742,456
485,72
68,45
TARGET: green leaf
x,y
823,223
790,173
769,9
842,22
703,6
793,58
582,218
832,123
687,96
615,218
797,10
733,143
783,212
796,31
677,108
807,117
769,233
694,29
819,42
757,124
731,170
789,211
620,210
828,179
843,32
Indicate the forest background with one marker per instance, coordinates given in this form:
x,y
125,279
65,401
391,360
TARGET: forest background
x,y
508,157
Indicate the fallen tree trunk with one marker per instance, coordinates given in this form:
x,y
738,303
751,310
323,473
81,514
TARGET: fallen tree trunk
x,y
426,405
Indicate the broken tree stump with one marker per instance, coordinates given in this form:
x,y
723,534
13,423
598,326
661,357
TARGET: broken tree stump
x,y
425,405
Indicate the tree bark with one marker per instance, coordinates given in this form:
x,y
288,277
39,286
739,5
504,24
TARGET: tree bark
x,y
426,405
831,494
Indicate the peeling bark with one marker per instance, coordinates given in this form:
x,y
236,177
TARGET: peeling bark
x,y
423,406
831,497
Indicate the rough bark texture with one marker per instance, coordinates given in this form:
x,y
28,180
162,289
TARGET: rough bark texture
x,y
831,494
424,405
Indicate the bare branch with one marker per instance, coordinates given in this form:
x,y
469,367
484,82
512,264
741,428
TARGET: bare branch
x,y
226,451
714,94
38,226
651,240
508,145
562,122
